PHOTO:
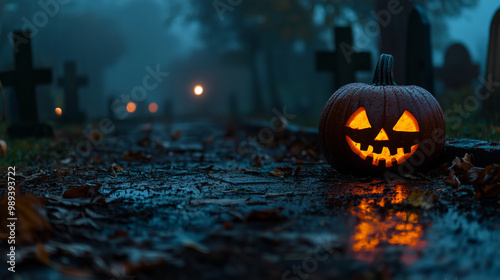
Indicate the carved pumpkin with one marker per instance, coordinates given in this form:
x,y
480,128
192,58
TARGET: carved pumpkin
x,y
374,128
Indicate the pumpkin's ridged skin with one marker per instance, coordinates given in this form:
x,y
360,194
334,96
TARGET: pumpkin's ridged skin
x,y
384,105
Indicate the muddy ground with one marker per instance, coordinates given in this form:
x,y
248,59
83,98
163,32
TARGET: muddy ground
x,y
206,200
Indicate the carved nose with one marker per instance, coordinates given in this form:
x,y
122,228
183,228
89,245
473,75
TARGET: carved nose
x,y
382,136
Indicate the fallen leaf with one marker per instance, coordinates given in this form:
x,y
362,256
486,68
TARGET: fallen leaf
x,y
278,173
145,142
471,175
66,160
3,148
463,164
115,168
228,225
249,171
452,180
63,171
421,199
265,215
96,160
82,191
209,168
137,155
176,135
42,254
258,162
31,224
488,183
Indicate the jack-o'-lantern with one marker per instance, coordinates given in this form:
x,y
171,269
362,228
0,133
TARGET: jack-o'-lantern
x,y
374,128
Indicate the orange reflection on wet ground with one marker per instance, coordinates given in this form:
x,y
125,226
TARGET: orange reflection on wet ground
x,y
388,227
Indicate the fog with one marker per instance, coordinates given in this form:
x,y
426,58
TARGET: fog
x,y
116,44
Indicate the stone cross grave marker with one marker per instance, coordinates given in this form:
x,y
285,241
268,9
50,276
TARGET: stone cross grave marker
x,y
419,69
25,78
493,68
343,62
71,82
458,70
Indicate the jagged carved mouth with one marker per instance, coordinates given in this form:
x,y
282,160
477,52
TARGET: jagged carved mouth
x,y
385,155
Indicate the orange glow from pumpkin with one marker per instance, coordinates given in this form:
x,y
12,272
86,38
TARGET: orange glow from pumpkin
x,y
400,157
396,227
359,120
153,107
58,111
131,107
407,123
198,90
382,136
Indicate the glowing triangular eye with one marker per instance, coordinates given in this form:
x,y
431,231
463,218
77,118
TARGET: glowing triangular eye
x,y
407,123
382,136
359,120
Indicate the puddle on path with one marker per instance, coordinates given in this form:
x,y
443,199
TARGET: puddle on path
x,y
377,228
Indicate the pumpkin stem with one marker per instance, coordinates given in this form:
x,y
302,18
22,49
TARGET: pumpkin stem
x,y
384,75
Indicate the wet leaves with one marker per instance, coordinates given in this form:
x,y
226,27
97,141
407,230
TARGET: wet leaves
x,y
488,182
82,191
458,168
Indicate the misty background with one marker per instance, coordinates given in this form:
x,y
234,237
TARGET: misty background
x,y
258,56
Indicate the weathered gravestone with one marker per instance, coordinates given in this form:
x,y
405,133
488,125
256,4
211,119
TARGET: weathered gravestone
x,y
393,17
70,82
25,79
419,69
343,62
492,79
458,70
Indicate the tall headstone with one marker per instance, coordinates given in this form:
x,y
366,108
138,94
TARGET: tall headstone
x,y
458,70
393,17
24,78
419,69
343,62
493,69
71,82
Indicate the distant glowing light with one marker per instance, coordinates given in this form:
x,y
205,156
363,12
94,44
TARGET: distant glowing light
x,y
58,111
198,90
153,107
131,107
